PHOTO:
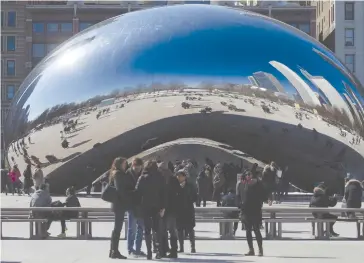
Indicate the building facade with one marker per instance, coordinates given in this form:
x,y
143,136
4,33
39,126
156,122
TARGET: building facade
x,y
349,36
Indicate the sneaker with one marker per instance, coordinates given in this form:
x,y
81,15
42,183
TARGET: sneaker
x,y
250,253
62,235
333,234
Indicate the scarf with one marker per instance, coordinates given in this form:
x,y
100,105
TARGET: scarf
x,y
183,184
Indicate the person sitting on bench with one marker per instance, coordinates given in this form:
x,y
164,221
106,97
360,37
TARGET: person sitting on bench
x,y
320,198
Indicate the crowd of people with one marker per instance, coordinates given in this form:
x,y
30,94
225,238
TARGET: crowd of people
x,y
159,199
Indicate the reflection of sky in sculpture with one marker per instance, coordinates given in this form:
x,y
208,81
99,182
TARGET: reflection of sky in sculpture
x,y
188,44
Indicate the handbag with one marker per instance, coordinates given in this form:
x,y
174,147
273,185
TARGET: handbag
x,y
109,193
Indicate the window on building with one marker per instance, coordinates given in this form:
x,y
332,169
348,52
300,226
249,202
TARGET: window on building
x,y
38,50
2,43
50,47
66,27
10,68
349,10
350,62
11,19
10,43
52,27
38,27
85,25
305,27
10,92
349,37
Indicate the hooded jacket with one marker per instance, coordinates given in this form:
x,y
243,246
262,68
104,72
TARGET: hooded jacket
x,y
41,198
353,193
321,199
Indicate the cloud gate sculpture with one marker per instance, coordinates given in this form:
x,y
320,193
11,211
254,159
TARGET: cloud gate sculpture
x,y
189,71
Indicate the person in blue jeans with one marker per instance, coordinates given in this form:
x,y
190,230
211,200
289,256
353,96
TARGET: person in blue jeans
x,y
135,221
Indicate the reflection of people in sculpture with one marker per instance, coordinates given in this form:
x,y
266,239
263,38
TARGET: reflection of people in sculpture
x,y
65,144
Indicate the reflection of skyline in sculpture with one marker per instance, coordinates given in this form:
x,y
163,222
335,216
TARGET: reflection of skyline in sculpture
x,y
268,81
253,81
352,106
334,97
306,93
356,99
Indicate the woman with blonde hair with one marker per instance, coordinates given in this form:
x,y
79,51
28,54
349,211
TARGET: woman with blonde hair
x,y
122,202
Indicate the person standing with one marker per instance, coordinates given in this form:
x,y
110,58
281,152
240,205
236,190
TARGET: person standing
x,y
169,221
38,177
186,223
218,183
203,187
150,190
250,195
269,176
135,220
353,195
122,202
28,182
229,200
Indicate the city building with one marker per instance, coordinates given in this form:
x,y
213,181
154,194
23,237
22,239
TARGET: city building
x,y
305,92
349,36
340,28
268,81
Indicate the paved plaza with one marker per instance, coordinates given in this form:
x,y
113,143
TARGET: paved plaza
x,y
298,245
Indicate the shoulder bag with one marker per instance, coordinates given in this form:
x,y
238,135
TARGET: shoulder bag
x,y
109,193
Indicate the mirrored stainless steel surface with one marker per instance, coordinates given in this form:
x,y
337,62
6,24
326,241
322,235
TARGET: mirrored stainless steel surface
x,y
150,77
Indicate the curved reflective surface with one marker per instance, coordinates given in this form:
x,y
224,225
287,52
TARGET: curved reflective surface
x,y
154,76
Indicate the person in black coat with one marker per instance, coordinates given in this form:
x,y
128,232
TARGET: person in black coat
x,y
204,185
28,181
122,202
169,221
150,190
353,195
187,196
71,201
320,198
250,195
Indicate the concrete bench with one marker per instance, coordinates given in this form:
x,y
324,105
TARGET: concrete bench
x,y
358,223
34,224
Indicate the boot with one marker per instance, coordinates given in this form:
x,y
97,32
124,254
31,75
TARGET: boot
x,y
173,250
260,254
114,246
192,241
181,241
148,243
250,253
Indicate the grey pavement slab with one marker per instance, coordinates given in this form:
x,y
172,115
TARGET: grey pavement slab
x,y
72,251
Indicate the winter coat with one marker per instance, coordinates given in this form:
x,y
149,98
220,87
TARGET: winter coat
x,y
229,200
353,193
38,177
40,198
250,195
321,199
269,176
135,204
71,201
219,178
28,182
124,187
187,196
150,190
171,189
203,185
